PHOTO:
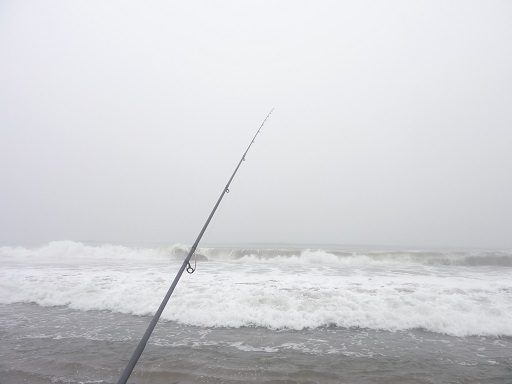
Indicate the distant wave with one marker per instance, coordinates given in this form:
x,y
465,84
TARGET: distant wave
x,y
344,257
70,250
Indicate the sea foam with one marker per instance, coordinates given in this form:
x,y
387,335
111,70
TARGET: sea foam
x,y
277,289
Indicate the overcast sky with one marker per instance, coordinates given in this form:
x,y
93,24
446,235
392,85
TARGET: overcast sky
x,y
121,121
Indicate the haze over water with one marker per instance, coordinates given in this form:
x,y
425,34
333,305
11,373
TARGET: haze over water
x,y
122,121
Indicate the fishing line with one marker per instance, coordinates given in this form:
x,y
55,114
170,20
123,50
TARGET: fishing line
x,y
150,372
186,264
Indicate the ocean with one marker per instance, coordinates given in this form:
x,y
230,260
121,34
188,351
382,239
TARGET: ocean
x,y
73,313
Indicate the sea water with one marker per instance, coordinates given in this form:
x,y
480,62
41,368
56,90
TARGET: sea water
x,y
74,313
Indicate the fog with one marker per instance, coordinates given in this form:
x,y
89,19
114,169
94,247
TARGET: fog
x,y
122,121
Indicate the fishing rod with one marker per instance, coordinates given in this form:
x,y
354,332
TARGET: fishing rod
x,y
186,265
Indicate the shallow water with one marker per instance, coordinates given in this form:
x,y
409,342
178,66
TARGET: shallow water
x,y
61,345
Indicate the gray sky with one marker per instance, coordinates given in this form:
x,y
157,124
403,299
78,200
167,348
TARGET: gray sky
x,y
121,121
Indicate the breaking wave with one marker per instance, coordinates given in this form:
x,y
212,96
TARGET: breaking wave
x,y
76,251
456,293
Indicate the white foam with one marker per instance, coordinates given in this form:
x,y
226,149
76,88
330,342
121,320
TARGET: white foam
x,y
312,290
